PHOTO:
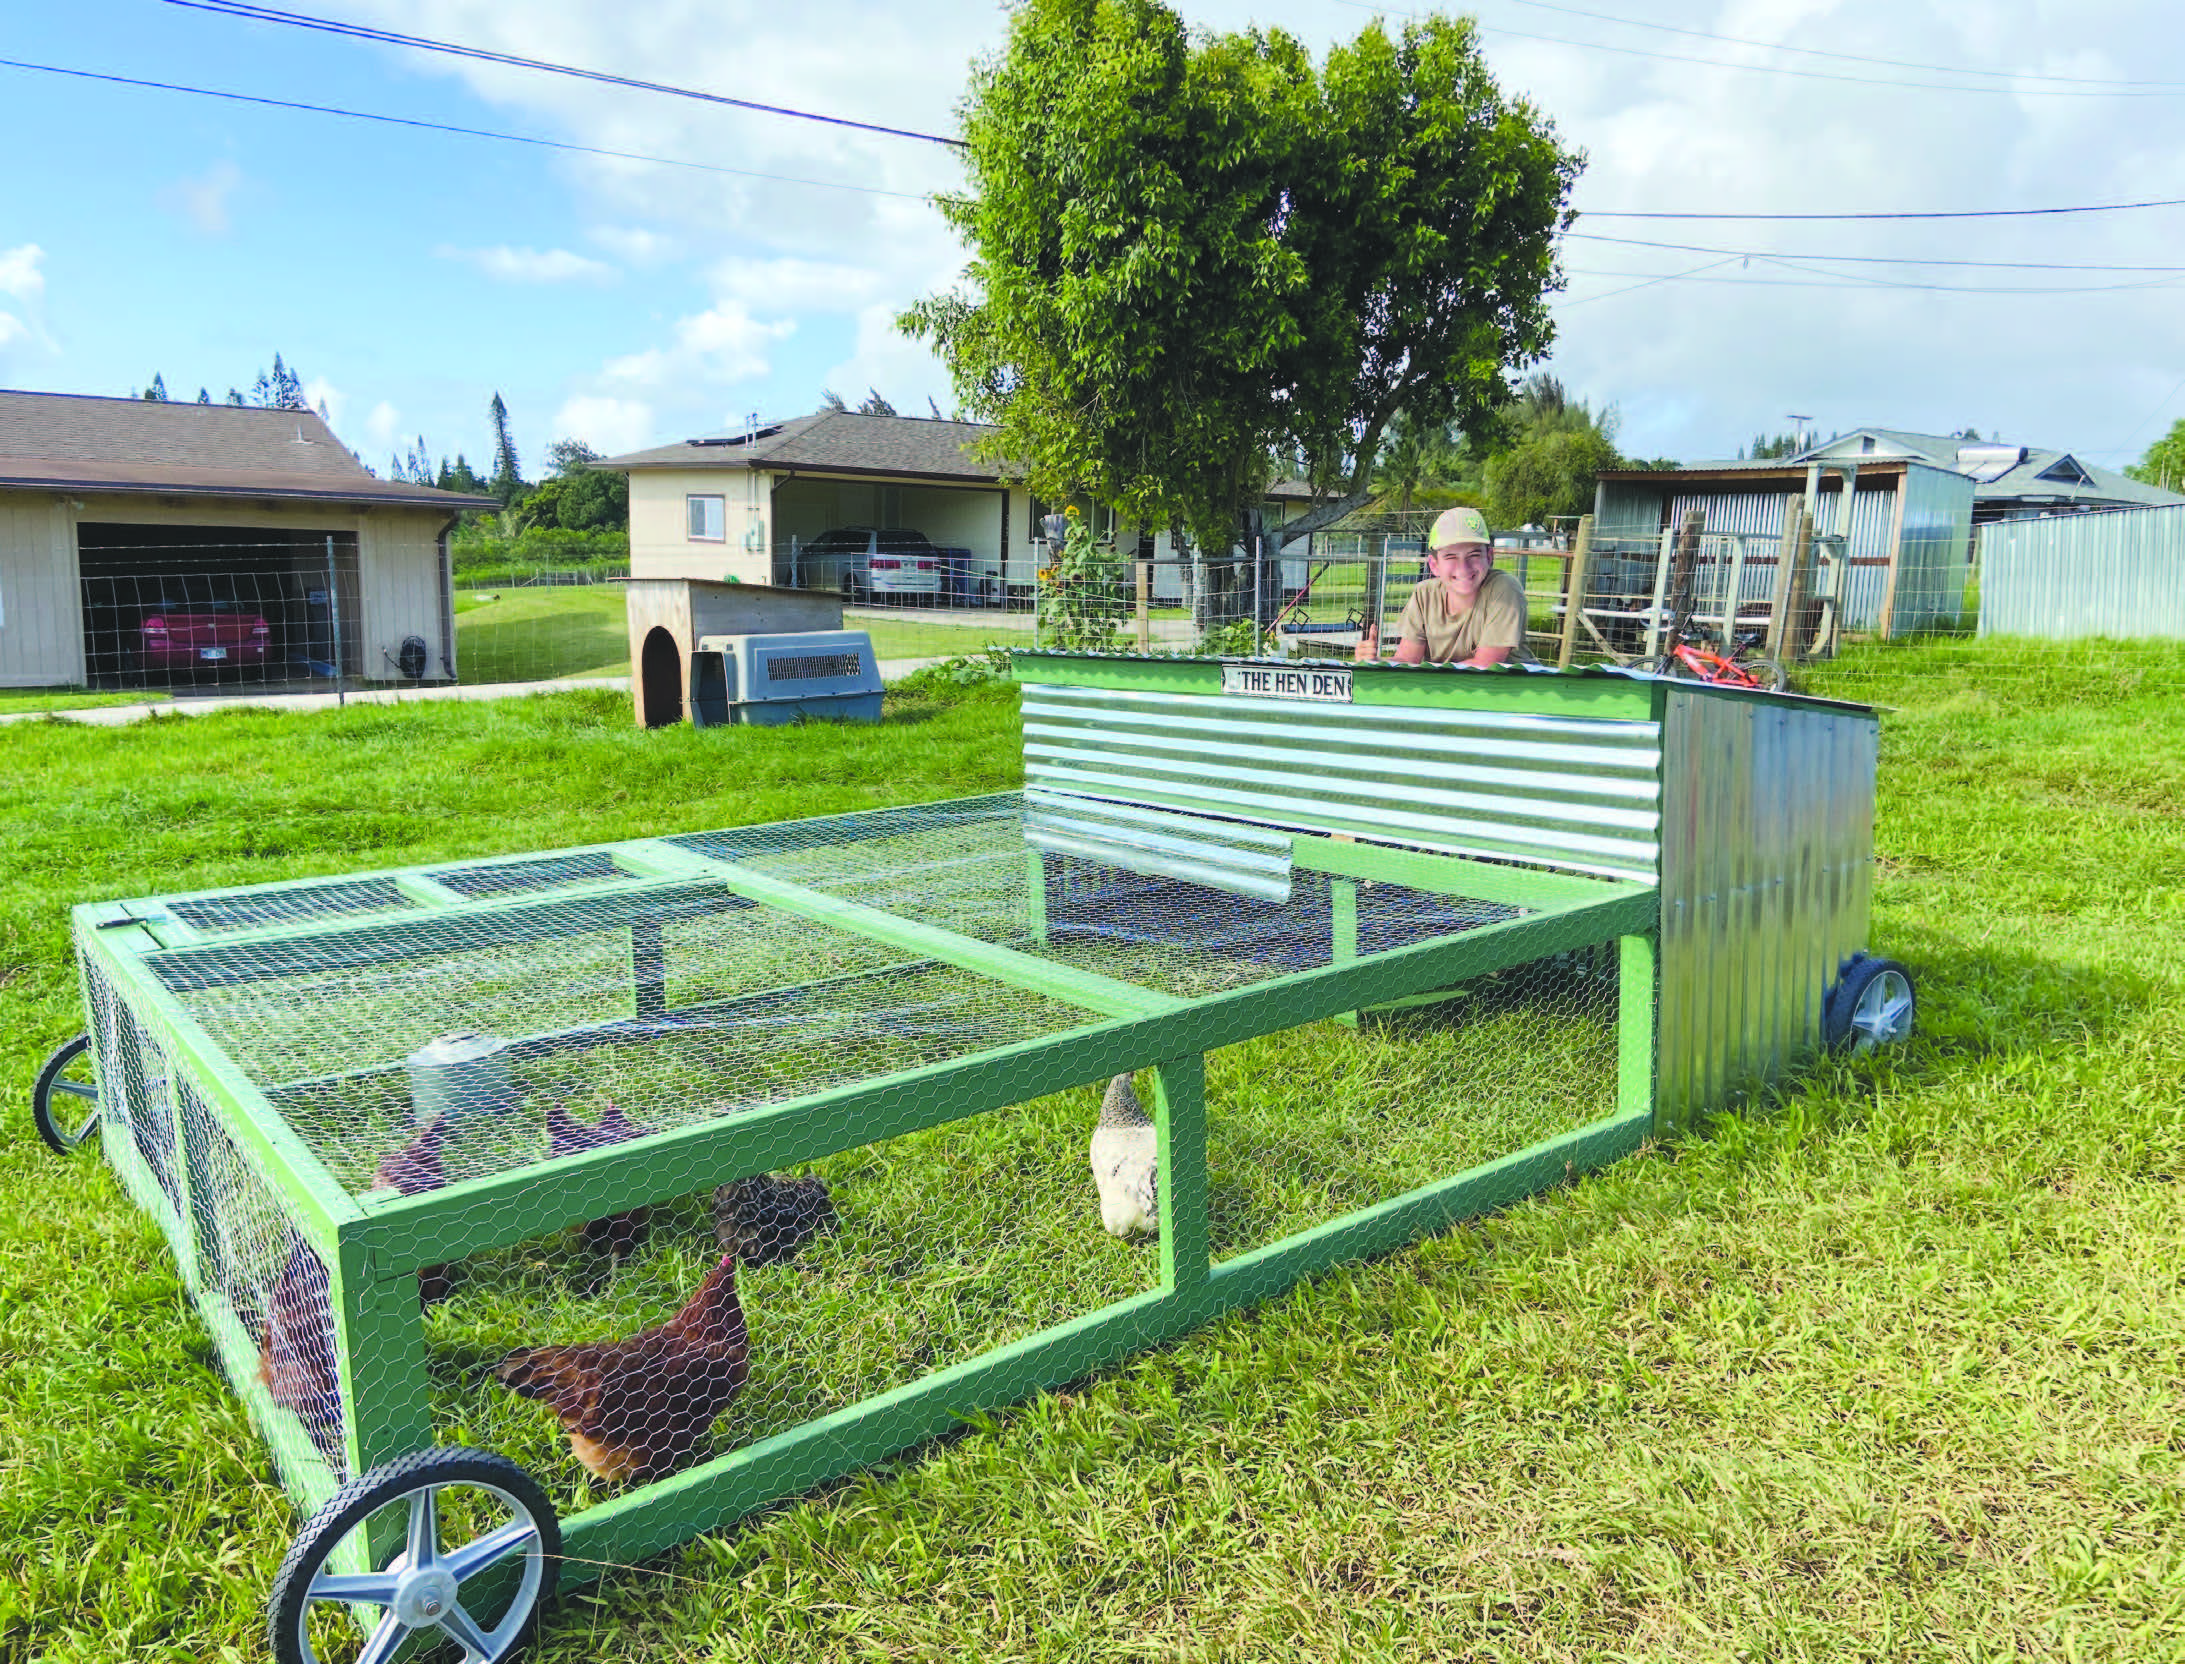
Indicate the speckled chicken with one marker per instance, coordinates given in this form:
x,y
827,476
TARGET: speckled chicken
x,y
617,1235
640,1408
1126,1162
764,1220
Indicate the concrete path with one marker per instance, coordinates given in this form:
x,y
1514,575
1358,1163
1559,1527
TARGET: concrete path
x,y
116,716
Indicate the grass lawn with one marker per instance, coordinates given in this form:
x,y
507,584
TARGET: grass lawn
x,y
73,699
1886,1368
535,635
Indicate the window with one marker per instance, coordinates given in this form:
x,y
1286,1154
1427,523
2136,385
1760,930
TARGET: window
x,y
708,518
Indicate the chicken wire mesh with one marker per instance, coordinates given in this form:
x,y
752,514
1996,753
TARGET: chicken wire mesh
x,y
495,1031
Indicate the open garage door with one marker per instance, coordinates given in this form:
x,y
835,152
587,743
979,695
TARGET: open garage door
x,y
200,607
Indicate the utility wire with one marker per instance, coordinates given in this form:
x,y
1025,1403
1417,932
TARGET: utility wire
x,y
1849,57
1759,69
1860,281
1869,259
449,127
387,37
1938,214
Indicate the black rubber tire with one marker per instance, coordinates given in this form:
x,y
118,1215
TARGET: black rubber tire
x,y
1873,1004
349,1507
64,1139
1766,672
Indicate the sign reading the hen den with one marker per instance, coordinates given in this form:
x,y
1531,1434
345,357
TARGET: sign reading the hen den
x,y
1279,681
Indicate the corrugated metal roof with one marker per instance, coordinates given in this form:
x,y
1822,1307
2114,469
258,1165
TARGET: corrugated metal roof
x,y
2022,483
71,441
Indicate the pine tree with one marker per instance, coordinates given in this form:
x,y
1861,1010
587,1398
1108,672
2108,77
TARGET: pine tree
x,y
203,396
157,392
829,399
236,397
278,389
875,405
507,483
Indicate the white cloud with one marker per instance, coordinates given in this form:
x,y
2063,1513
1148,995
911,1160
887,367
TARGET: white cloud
x,y
885,361
12,328
383,426
19,273
724,343
789,284
634,245
323,395
531,265
203,201
606,424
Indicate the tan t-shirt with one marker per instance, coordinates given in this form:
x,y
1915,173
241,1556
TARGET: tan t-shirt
x,y
1497,619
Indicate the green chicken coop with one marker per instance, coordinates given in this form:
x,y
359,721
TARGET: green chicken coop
x,y
458,1162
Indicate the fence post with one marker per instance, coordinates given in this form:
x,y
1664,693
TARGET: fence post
x,y
1144,569
1574,590
1796,626
1737,585
333,611
1786,560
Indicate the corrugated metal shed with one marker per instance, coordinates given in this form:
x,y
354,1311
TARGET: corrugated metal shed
x,y
2078,575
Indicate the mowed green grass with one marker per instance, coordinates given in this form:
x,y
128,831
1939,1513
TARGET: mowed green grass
x,y
536,635
1887,1367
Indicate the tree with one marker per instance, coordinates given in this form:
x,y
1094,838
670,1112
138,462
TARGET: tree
x,y
203,396
507,484
1189,255
1548,473
875,405
1765,447
2164,463
580,496
1413,455
829,399
235,396
157,392
277,389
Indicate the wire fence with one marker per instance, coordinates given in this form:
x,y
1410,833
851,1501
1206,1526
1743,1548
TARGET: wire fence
x,y
212,615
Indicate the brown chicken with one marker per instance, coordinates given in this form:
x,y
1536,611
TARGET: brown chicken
x,y
296,1348
640,1408
617,1235
413,1169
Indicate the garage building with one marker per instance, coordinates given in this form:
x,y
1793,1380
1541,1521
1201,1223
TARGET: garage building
x,y
257,525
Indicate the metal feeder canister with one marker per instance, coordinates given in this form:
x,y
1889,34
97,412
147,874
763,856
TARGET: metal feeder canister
x,y
458,1075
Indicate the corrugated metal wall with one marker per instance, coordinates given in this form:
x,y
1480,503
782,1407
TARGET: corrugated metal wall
x,y
1766,882
2076,575
1934,550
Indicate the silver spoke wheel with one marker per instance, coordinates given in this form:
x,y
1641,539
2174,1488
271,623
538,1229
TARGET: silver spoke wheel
x,y
469,1546
64,1105
1872,1005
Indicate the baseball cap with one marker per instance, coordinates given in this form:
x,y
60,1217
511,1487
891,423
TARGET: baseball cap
x,y
1458,525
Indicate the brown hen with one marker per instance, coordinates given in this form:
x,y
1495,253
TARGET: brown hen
x,y
617,1235
640,1408
415,1168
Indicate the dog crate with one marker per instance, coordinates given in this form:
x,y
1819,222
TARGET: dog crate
x,y
770,679
430,1145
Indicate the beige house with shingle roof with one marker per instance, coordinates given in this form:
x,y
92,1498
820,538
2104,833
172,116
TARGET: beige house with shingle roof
x,y
739,507
108,507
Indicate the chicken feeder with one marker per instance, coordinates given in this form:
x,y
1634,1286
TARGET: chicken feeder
x,y
1586,908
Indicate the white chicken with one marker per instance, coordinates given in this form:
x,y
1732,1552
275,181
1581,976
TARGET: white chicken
x,y
1126,1163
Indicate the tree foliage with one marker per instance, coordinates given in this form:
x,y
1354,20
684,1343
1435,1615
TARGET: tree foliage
x,y
1191,253
157,392
279,388
1557,445
507,483
2164,463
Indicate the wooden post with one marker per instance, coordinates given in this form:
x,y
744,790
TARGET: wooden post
x,y
1794,514
1661,588
1729,606
1574,590
1886,620
1797,628
1145,597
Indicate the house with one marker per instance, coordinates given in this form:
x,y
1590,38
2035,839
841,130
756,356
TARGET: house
x,y
110,508
742,506
2010,482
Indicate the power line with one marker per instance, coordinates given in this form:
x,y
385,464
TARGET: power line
x,y
1936,214
1849,57
1870,259
449,127
387,37
1759,69
1858,280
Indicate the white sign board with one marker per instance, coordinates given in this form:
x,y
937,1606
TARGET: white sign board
x,y
1281,681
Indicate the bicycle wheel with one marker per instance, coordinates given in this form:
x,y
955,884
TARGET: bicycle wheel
x,y
1767,672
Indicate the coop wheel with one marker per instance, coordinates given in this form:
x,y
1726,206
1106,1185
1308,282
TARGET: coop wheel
x,y
478,1551
64,1104
1873,1005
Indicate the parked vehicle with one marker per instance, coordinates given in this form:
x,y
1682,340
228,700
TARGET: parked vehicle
x,y
181,634
867,563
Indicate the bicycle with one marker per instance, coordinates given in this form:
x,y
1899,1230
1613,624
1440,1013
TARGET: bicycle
x,y
1692,660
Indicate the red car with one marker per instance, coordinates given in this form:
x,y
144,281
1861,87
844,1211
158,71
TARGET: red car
x,y
202,635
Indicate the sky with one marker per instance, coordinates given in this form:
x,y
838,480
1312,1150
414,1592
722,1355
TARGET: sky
x,y
748,261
